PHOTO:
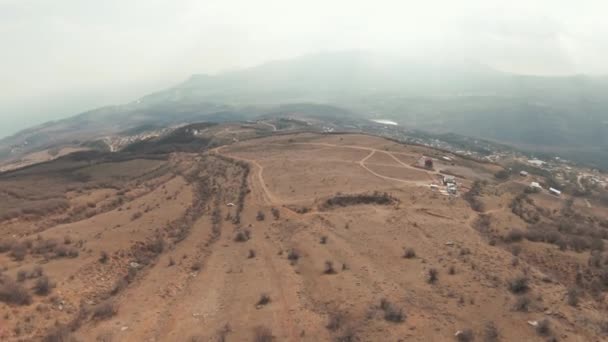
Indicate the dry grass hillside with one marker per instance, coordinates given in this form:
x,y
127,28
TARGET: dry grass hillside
x,y
298,237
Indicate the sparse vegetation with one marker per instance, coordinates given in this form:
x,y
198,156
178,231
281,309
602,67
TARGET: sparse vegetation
x,y
13,293
275,213
293,256
518,284
262,334
490,332
43,286
251,254
104,310
465,335
409,253
572,296
329,268
522,303
323,240
242,236
103,257
432,276
391,313
260,216
263,301
543,328
341,200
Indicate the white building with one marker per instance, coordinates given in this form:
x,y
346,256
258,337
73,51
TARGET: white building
x,y
535,185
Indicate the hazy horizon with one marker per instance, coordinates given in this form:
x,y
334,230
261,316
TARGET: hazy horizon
x,y
66,57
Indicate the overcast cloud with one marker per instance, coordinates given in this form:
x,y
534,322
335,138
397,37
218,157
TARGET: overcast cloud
x,y
62,57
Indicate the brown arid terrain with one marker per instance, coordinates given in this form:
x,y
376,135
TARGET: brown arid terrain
x,y
294,237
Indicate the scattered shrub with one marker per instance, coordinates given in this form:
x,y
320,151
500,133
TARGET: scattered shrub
x,y
490,332
13,293
36,272
264,300
104,310
409,253
136,215
432,276
260,216
18,251
171,262
329,268
251,254
522,304
335,321
572,296
323,240
452,270
43,286
242,236
67,240
293,256
262,334
103,258
7,244
391,313
196,266
518,284
275,213
465,335
543,328
515,235
21,276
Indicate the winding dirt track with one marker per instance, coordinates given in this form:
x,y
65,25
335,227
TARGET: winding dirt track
x,y
271,199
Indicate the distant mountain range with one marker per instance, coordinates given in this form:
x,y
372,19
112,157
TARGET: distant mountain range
x,y
567,116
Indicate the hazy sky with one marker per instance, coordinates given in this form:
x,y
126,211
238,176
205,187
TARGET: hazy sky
x,y
61,57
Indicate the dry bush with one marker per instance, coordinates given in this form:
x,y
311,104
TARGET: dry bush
x,y
63,252
260,216
518,284
329,268
19,251
136,215
36,272
275,213
543,328
409,253
21,276
521,304
515,235
465,335
13,293
103,257
67,240
61,333
43,286
242,236
251,254
432,276
171,262
44,246
490,332
7,244
323,240
264,300
293,256
452,270
262,334
196,266
572,296
104,310
391,313
335,321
